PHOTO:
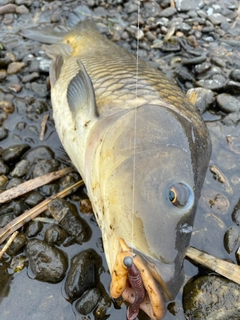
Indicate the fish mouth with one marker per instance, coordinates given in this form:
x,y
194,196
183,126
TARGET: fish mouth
x,y
153,302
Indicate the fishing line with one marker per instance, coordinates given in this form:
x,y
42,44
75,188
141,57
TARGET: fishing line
x,y
135,126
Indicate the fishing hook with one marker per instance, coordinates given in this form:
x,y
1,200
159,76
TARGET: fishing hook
x,y
135,280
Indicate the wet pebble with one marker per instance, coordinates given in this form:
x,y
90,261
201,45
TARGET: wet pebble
x,y
67,216
3,133
3,181
27,3
168,12
231,119
194,61
18,263
55,235
5,219
19,207
44,166
17,244
13,183
3,74
4,62
235,74
231,238
49,189
39,88
219,82
14,207
7,106
218,62
236,214
217,18
86,206
30,77
34,228
186,5
15,87
39,153
3,116
211,297
8,8
82,274
202,98
228,103
69,179
4,169
13,153
15,67
183,74
33,198
21,168
88,301
47,263
22,9
233,87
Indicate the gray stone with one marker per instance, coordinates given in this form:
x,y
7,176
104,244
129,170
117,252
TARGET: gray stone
x,y
3,133
88,301
47,263
168,12
187,5
201,97
20,169
217,18
34,198
38,153
205,298
213,84
231,239
17,244
13,153
228,103
82,274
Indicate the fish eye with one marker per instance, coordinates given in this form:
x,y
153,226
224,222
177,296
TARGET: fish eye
x,y
180,195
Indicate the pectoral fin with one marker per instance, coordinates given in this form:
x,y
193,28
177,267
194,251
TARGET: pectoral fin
x,y
80,95
55,69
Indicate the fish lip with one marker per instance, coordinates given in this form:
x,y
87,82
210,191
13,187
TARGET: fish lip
x,y
154,303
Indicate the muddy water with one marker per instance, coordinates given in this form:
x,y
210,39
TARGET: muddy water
x,y
23,297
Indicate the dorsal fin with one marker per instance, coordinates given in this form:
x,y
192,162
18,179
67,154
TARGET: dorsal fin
x,y
80,94
55,69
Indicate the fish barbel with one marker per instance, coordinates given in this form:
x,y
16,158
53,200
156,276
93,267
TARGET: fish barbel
x,y
152,147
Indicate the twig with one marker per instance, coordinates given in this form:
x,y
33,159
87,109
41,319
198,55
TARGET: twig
x,y
32,213
8,243
32,184
226,269
43,126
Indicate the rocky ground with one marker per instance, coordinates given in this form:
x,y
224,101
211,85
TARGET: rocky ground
x,y
197,44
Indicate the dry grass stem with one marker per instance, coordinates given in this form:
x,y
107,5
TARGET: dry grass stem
x,y
32,184
8,243
43,126
32,213
226,269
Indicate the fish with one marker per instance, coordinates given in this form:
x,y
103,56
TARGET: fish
x,y
142,150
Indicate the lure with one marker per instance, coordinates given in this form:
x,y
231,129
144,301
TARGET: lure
x,y
135,281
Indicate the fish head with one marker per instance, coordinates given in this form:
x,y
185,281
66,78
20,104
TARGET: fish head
x,y
151,175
